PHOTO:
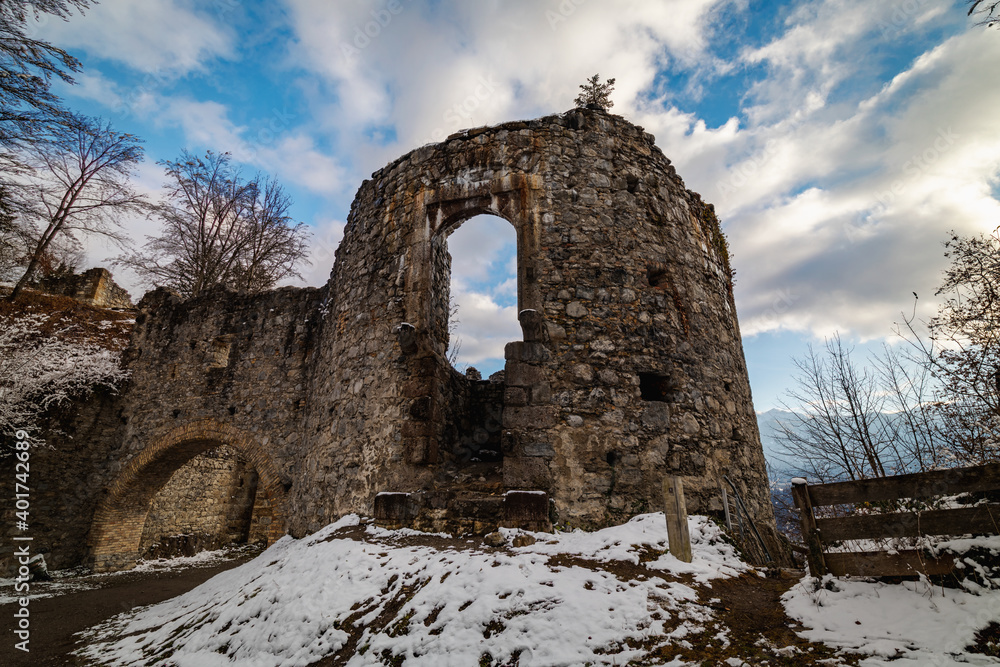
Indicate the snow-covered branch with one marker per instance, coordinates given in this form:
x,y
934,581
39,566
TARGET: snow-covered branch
x,y
40,371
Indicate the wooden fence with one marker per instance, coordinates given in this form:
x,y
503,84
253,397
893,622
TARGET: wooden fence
x,y
819,533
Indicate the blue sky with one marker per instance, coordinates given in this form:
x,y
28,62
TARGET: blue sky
x,y
840,140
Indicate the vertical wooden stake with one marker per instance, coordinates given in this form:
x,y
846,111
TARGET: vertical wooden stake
x,y
725,506
678,537
800,492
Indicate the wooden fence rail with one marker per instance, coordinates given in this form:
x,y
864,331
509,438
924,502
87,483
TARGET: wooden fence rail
x,y
819,533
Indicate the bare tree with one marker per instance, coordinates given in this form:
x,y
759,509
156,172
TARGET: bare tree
x,y
910,391
80,184
857,422
827,437
15,237
988,11
962,349
28,108
934,404
220,230
273,242
596,94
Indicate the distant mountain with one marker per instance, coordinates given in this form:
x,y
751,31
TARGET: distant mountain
x,y
767,422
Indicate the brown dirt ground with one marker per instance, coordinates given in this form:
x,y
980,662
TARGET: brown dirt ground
x,y
70,319
54,620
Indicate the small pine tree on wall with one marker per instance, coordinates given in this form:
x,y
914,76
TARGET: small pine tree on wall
x,y
596,94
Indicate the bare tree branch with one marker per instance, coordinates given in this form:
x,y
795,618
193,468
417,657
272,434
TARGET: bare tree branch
x,y
80,184
220,230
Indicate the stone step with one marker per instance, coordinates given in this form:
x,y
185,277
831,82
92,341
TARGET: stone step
x,y
462,512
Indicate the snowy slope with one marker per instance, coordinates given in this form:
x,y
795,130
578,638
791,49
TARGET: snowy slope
x,y
362,595
907,624
434,606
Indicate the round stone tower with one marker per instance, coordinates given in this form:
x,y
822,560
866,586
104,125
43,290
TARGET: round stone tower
x,y
630,367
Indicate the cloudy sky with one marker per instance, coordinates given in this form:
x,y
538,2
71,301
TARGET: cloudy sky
x,y
840,140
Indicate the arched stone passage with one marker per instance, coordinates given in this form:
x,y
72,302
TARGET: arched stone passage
x,y
121,513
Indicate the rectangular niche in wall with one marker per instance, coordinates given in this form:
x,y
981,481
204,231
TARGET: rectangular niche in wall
x,y
655,387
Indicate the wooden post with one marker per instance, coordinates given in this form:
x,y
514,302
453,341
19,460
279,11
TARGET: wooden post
x,y
725,506
800,492
678,537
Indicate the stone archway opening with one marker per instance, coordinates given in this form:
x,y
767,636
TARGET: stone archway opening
x,y
210,502
146,502
482,316
481,291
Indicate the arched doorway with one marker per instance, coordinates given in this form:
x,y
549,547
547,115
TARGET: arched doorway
x,y
210,502
482,258
120,519
482,316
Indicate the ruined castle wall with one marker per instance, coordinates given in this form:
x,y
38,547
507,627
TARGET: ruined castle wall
x,y
72,460
233,358
94,287
219,369
223,358
631,367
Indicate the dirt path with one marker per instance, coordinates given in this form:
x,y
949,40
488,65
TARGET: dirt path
x,y
54,620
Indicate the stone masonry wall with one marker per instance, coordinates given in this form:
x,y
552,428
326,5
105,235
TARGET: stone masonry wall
x,y
94,287
220,369
75,458
211,496
630,366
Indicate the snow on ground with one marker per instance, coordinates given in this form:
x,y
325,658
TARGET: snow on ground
x,y
540,604
910,623
608,597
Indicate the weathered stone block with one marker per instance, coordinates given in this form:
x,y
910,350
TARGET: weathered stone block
x,y
528,510
515,396
526,473
523,375
543,449
656,416
530,417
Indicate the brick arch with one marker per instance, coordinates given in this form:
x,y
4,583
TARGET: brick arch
x,y
121,512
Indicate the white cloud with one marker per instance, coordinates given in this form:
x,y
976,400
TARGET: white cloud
x,y
886,183
288,153
430,70
477,245
485,327
326,236
162,37
837,178
801,181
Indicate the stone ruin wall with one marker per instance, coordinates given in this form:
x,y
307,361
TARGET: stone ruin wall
x,y
221,369
68,473
94,287
630,366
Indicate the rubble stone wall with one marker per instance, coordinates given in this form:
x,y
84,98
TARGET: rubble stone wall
x,y
629,368
220,369
94,287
